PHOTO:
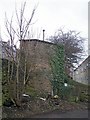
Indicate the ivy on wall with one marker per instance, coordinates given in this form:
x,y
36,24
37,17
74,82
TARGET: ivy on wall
x,y
57,67
57,63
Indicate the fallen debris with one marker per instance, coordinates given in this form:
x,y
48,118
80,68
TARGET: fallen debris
x,y
44,99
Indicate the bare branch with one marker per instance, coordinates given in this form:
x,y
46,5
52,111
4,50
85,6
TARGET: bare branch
x,y
20,31
27,26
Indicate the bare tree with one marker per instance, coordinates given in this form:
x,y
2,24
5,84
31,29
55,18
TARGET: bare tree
x,y
20,59
73,45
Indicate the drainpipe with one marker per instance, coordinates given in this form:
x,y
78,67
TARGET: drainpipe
x,y
43,35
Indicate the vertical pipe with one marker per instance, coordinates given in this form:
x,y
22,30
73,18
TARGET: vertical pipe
x,y
43,35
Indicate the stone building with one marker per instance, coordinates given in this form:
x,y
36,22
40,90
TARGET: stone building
x,y
89,43
37,54
6,51
82,73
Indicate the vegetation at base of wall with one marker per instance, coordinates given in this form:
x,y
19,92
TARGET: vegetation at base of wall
x,y
31,91
7,85
0,102
79,92
34,93
83,97
5,92
68,92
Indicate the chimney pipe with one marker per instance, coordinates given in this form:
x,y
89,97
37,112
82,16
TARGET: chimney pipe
x,y
43,34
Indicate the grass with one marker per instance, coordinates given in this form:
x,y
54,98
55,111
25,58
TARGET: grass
x,y
79,91
0,102
31,91
77,84
0,98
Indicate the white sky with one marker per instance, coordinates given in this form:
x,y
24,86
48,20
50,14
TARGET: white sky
x,y
50,15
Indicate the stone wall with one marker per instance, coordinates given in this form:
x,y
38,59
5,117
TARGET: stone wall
x,y
38,55
81,74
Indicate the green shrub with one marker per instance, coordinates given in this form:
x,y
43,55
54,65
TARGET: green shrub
x,y
83,97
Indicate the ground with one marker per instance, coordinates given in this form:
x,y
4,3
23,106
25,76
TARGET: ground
x,y
66,114
37,106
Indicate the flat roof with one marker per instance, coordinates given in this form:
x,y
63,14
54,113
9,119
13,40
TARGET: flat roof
x,y
38,41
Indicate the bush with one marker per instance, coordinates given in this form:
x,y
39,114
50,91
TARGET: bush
x,y
83,97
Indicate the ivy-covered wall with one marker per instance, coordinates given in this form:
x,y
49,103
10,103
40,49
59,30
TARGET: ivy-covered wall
x,y
57,67
59,78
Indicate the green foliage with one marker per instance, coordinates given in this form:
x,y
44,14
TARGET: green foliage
x,y
65,92
6,83
57,66
59,78
5,93
83,97
31,91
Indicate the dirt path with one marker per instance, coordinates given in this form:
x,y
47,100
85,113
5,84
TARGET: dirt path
x,y
68,114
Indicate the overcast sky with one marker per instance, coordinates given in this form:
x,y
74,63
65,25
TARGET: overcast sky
x,y
50,15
